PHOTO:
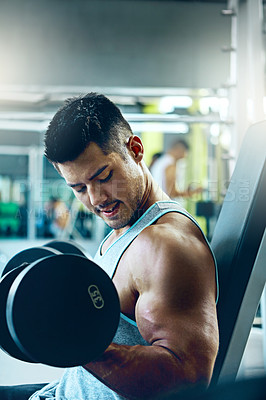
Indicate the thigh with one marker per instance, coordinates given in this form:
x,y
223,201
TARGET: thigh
x,y
19,392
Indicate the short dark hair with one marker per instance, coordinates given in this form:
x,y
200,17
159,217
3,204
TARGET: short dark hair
x,y
82,120
180,142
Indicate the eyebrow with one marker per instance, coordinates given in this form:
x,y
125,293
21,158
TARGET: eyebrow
x,y
97,173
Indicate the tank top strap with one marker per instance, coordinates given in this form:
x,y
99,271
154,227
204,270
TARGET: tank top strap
x,y
110,259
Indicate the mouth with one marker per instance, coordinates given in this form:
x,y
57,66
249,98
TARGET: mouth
x,y
111,210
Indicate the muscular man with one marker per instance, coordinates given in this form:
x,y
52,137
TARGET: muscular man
x,y
160,262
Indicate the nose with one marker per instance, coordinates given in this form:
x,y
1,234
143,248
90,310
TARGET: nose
x,y
97,195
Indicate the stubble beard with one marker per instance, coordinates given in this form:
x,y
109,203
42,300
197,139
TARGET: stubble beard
x,y
131,213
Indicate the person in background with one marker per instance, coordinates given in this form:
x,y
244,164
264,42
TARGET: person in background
x,y
155,157
164,170
56,217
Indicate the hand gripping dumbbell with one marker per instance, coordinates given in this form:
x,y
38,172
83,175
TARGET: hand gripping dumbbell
x,y
56,309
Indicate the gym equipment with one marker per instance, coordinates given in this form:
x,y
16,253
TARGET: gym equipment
x,y
206,209
61,310
6,342
66,247
14,266
253,388
28,255
239,244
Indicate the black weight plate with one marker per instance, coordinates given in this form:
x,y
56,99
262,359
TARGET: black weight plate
x,y
63,310
6,342
66,247
28,255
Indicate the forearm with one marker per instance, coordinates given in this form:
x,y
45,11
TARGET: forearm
x,y
175,192
142,371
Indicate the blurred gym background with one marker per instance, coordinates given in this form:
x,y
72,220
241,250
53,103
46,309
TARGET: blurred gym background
x,y
177,69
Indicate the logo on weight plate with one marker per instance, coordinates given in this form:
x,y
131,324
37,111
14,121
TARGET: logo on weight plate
x,y
96,296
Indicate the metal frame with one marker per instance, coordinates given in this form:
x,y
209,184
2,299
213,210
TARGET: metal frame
x,y
236,243
246,316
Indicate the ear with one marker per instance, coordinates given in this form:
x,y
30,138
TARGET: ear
x,y
135,147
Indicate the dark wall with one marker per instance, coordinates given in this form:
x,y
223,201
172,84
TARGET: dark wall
x,y
113,43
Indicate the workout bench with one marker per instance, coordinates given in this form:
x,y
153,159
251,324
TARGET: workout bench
x,y
239,244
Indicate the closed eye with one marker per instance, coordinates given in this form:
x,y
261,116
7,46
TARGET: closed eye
x,y
82,189
109,176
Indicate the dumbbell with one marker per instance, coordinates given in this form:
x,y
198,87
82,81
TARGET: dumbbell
x,y
22,259
66,247
35,253
61,309
12,269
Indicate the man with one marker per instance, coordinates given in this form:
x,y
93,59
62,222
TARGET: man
x,y
160,262
164,170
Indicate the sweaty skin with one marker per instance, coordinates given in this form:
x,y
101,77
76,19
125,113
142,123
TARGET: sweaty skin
x,y
165,279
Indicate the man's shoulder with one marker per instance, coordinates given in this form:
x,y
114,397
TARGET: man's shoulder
x,y
171,249
173,222
174,236
171,232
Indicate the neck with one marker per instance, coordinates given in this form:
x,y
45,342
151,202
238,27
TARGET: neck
x,y
152,192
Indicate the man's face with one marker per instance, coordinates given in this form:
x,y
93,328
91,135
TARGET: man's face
x,y
180,152
108,185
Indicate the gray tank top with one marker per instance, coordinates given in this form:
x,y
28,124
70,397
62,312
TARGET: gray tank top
x,y
77,383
